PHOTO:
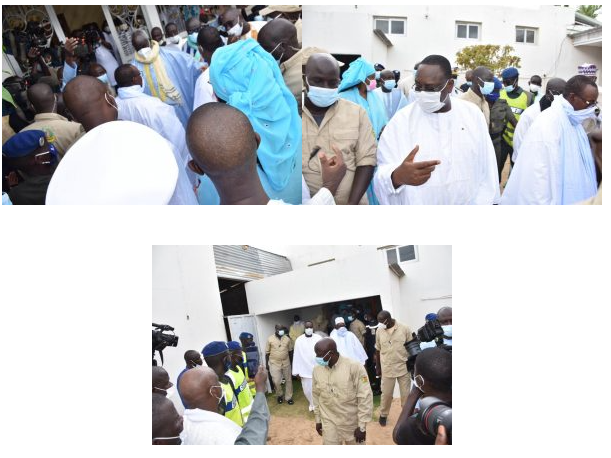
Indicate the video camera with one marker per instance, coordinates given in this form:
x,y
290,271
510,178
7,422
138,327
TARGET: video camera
x,y
431,331
434,412
162,340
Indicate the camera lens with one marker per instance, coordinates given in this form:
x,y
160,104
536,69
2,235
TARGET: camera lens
x,y
433,413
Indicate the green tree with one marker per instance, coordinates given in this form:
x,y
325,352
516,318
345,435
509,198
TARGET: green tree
x,y
494,57
589,10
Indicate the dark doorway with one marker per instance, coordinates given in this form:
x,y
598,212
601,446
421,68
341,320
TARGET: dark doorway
x,y
346,59
233,299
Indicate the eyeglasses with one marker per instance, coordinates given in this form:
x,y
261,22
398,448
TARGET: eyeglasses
x,y
418,88
588,103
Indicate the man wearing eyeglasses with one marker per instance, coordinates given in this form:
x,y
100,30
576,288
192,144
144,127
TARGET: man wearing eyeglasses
x,y
554,88
556,165
436,150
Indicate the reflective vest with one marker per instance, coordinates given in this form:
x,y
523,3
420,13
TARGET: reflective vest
x,y
251,383
231,408
518,105
241,391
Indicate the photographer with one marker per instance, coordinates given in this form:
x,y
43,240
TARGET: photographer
x,y
432,378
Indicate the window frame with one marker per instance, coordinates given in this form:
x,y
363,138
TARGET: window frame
x,y
526,29
468,25
389,20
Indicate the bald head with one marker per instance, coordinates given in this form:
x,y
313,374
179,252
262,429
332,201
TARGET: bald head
x,y
88,100
324,346
279,37
140,40
194,387
96,70
42,98
469,75
322,64
555,85
222,153
193,25
444,315
484,73
161,380
193,358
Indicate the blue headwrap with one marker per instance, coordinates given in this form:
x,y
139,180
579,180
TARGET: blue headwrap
x,y
214,348
233,345
248,78
357,73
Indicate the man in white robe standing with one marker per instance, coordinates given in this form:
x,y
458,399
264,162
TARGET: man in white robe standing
x,y
304,360
556,164
555,87
348,344
134,105
456,159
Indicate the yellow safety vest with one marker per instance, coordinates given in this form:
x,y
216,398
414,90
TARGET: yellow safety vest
x,y
517,105
232,408
241,390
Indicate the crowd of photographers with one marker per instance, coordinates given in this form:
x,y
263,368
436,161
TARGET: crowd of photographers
x,y
223,387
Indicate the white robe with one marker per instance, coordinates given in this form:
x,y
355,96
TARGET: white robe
x,y
527,117
203,93
303,355
537,178
392,100
106,59
201,427
458,138
150,111
349,346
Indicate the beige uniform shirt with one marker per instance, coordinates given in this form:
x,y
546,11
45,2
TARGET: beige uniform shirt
x,y
393,355
341,394
358,329
59,131
291,72
278,350
472,97
347,126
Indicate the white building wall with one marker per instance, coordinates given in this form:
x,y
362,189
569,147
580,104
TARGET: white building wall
x,y
431,30
186,296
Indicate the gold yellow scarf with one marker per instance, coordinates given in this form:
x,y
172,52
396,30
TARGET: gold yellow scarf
x,y
166,87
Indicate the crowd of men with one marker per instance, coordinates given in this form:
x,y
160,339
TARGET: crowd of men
x,y
421,139
225,403
220,107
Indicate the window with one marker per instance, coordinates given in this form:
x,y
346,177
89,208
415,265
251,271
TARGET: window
x,y
467,30
525,35
403,253
390,25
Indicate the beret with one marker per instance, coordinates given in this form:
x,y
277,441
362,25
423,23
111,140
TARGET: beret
x,y
23,143
233,345
214,348
510,72
246,335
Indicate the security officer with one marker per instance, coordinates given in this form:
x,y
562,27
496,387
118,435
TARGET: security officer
x,y
343,401
519,100
239,380
251,359
357,327
278,359
391,358
216,355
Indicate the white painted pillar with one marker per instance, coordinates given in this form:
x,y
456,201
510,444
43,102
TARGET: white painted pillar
x,y
151,17
115,36
57,28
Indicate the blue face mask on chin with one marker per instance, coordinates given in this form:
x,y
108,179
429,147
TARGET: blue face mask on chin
x,y
321,361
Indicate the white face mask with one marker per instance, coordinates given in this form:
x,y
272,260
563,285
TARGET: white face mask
x,y
309,331
173,40
144,52
381,326
534,88
447,330
342,331
430,102
281,333
236,30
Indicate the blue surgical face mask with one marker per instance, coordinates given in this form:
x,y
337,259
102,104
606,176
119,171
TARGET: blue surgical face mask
x,y
509,88
470,83
321,361
193,36
389,85
487,88
447,330
103,78
321,96
378,75
259,18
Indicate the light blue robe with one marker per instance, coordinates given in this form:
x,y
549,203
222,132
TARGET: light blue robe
x,y
183,71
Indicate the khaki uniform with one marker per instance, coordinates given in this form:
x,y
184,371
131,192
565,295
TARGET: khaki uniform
x,y
291,72
59,131
480,103
296,330
280,363
342,399
393,356
320,323
358,329
347,126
